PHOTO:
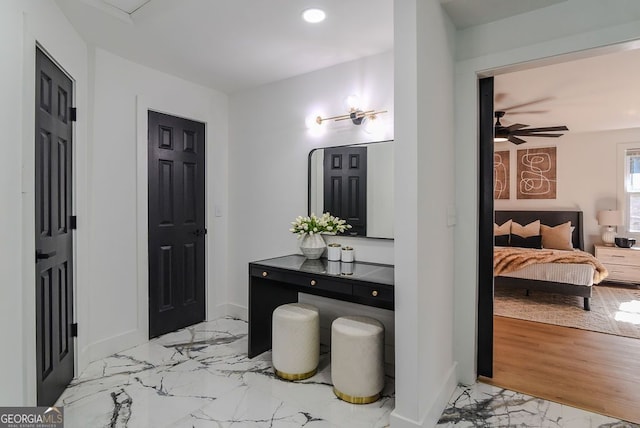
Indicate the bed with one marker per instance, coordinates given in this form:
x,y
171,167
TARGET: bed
x,y
563,283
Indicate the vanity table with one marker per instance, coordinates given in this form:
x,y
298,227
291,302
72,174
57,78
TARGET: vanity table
x,y
274,282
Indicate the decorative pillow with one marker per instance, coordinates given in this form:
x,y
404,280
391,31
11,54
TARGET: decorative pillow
x,y
503,229
501,240
534,241
557,237
532,229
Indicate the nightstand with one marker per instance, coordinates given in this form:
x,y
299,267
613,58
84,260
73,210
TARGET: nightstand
x,y
623,264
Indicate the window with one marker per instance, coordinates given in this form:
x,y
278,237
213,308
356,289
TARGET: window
x,y
632,189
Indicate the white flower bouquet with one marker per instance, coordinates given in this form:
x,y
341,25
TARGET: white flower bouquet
x,y
326,224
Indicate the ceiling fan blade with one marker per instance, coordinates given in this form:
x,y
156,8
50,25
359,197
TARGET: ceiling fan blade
x,y
539,135
546,129
528,112
528,103
516,140
515,127
499,97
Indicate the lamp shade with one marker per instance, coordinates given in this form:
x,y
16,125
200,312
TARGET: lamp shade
x,y
610,218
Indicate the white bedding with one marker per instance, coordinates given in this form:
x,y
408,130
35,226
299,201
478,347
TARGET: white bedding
x,y
568,273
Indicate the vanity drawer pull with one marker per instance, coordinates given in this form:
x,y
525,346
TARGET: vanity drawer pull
x,y
374,293
313,282
265,273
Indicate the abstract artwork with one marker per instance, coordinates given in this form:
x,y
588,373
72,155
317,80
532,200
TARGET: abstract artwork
x,y
537,176
501,183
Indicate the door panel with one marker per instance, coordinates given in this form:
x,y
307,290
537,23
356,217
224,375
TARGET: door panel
x,y
189,192
54,244
345,184
176,223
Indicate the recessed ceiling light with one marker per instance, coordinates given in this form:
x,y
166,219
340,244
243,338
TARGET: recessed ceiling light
x,y
313,15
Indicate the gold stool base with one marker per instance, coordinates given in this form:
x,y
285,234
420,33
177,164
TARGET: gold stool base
x,y
294,376
356,400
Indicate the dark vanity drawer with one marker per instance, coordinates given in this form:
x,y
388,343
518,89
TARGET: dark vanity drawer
x,y
320,283
267,273
381,293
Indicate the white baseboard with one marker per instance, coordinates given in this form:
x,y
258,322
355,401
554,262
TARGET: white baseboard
x,y
399,421
442,399
114,344
231,310
120,342
431,417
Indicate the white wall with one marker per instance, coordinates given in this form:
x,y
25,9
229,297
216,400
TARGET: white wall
x,y
268,155
22,25
109,196
570,26
587,176
12,364
123,93
424,184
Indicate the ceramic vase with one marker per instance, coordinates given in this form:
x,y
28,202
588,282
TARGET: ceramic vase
x,y
312,246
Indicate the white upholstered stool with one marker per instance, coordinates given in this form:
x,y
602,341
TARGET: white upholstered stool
x,y
357,359
295,347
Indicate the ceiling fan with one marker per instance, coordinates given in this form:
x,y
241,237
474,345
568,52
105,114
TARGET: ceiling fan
x,y
512,132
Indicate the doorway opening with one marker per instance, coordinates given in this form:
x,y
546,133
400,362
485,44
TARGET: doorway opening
x,y
494,332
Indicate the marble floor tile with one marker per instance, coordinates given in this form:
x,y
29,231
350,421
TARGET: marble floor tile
x,y
482,405
201,377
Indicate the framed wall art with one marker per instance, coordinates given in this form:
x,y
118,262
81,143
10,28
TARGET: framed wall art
x,y
501,175
537,175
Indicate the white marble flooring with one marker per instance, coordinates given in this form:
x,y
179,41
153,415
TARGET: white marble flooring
x,y
201,377
482,405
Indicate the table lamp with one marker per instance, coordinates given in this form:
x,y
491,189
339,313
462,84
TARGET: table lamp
x,y
609,219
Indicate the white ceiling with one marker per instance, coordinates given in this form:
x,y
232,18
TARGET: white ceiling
x,y
231,45
235,44
592,94
127,6
467,13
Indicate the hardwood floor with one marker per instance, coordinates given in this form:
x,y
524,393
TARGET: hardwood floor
x,y
585,369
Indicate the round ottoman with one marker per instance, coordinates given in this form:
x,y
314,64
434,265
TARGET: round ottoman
x,y
295,347
357,359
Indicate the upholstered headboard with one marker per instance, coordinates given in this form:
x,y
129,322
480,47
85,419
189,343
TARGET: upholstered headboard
x,y
550,218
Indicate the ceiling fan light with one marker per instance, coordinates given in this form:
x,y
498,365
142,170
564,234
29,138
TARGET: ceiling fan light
x,y
497,139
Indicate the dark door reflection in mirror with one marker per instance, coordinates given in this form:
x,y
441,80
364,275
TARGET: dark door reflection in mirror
x,y
355,183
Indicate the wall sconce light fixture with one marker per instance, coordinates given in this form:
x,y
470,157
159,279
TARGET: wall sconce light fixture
x,y
356,115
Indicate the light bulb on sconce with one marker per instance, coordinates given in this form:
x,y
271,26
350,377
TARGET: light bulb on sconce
x,y
373,125
352,102
312,124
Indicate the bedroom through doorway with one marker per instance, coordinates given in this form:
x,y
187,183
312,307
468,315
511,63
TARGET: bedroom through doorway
x,y
522,335
577,169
